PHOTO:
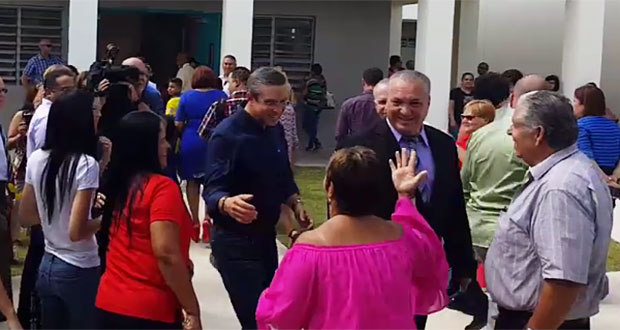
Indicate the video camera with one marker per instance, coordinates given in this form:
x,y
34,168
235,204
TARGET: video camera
x,y
105,69
114,74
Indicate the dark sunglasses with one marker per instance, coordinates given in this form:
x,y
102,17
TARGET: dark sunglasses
x,y
468,117
4,90
48,45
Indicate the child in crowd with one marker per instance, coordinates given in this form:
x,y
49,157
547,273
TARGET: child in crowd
x,y
175,86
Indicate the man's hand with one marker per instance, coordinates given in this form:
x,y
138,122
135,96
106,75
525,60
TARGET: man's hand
x,y
22,129
303,219
239,209
103,85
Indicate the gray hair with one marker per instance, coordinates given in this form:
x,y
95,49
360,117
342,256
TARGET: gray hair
x,y
265,77
553,112
413,76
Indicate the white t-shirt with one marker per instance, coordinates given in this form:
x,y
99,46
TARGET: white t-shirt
x,y
38,127
83,253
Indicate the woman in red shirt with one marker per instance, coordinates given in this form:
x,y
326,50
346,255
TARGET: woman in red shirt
x,y
147,282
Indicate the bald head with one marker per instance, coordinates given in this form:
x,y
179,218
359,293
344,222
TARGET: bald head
x,y
380,92
137,63
528,84
144,72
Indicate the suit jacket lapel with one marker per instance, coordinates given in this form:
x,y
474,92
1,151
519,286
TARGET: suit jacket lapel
x,y
436,153
388,141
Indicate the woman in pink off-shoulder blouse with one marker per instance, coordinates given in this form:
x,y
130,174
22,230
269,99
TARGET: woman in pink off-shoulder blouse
x,y
358,271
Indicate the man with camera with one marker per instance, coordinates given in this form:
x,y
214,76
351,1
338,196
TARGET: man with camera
x,y
149,95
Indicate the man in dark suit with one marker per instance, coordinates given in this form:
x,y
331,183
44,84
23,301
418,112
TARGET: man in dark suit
x,y
440,200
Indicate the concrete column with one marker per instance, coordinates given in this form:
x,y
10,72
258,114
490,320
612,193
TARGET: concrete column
x,y
237,23
583,44
396,27
434,55
610,72
82,33
468,54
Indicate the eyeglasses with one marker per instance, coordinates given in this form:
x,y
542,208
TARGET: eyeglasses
x,y
274,103
4,90
468,117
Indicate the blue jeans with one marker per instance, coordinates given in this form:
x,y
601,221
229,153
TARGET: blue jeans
x,y
67,294
247,265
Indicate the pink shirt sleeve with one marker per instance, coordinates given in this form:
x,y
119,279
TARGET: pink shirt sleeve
x,y
288,302
431,271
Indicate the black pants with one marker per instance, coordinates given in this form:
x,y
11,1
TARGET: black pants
x,y
517,320
310,124
28,310
107,320
247,265
6,246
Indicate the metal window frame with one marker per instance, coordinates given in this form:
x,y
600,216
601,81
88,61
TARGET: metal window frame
x,y
272,45
18,33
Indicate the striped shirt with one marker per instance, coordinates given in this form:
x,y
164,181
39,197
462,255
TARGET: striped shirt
x,y
557,227
599,139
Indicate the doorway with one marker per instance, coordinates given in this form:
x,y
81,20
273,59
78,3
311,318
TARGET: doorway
x,y
159,36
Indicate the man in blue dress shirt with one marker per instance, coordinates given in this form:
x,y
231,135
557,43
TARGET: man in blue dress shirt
x,y
248,179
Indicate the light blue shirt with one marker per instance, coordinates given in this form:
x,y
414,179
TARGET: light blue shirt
x,y
425,157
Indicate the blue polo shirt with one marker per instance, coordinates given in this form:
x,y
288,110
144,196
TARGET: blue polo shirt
x,y
152,98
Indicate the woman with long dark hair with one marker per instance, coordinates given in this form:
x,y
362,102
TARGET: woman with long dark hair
x,y
146,284
61,180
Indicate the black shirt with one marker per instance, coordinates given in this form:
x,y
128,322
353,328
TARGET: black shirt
x,y
460,98
247,158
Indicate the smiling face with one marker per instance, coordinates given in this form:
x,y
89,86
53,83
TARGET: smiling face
x,y
468,82
471,122
228,65
268,106
407,106
381,97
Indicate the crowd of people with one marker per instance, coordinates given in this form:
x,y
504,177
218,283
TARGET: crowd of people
x,y
515,200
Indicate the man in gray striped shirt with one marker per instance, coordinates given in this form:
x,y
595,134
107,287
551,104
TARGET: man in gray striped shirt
x,y
546,265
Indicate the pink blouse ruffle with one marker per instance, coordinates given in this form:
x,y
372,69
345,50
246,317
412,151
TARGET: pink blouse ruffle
x,y
367,286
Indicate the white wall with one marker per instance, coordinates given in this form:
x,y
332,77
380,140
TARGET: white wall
x,y
468,54
523,34
345,44
610,76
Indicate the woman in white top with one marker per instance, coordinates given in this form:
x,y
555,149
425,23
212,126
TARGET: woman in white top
x,y
61,180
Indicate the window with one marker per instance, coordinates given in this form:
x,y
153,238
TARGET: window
x,y
284,41
21,28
